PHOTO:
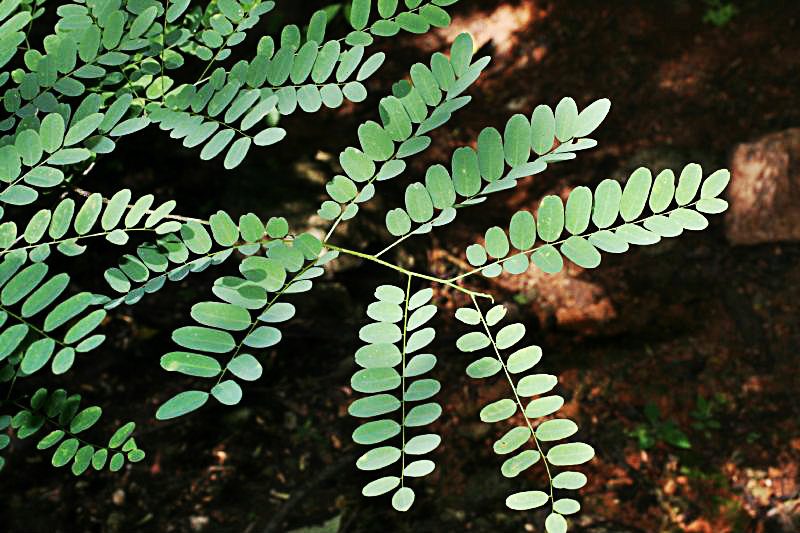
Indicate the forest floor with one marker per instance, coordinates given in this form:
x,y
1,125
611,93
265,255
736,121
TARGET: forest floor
x,y
678,362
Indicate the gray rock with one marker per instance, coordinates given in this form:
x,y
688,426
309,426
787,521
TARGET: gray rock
x,y
764,193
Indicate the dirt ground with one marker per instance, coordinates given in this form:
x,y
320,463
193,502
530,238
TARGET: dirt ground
x,y
705,332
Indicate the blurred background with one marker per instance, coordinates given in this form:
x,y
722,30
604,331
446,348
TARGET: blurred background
x,y
678,361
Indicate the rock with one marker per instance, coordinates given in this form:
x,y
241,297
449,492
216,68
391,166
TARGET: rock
x,y
764,193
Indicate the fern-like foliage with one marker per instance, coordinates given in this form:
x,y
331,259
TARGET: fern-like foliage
x,y
113,68
394,340
29,337
63,413
592,221
531,434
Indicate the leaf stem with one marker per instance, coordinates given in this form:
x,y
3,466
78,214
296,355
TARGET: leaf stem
x,y
403,388
407,272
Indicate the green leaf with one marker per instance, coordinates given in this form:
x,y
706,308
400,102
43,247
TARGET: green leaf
x,y
378,458
715,184
634,197
689,219
385,312
262,337
524,501
555,523
398,222
228,392
496,243
607,198
509,335
378,404
378,355
472,341
461,54
23,283
181,404
550,218
523,359
422,389
236,153
590,118
85,419
546,405
245,367
490,154
566,119
573,453
712,205
356,164
403,499
517,140
422,415
484,367
29,146
88,213
221,315
359,14
556,429
204,339
581,252
51,439
52,132
566,506
419,468
224,230
543,129
376,431
375,141
688,183
466,171
116,463
37,355
569,480
121,435
82,129
536,384
83,459
380,486
499,410
422,444
191,364
418,203
512,440
514,466
371,380
65,452
522,230
663,226
99,459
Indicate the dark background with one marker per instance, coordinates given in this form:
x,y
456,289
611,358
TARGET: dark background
x,y
691,317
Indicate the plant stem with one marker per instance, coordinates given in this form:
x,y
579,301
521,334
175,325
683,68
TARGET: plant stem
x,y
516,397
407,272
403,388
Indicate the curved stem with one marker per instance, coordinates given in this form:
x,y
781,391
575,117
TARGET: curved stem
x,y
407,272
